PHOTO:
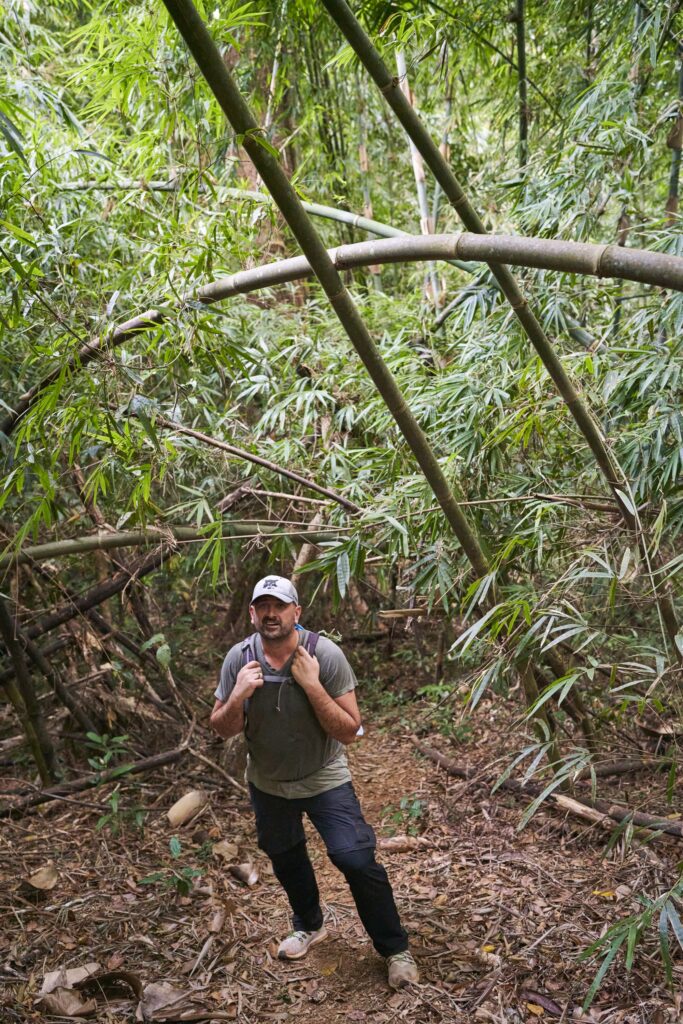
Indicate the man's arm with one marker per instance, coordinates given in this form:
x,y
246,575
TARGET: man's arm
x,y
227,717
339,718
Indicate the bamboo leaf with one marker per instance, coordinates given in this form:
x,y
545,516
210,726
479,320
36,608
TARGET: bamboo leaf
x,y
343,572
663,931
604,967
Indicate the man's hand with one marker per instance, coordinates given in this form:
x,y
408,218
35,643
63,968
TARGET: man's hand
x,y
249,678
305,669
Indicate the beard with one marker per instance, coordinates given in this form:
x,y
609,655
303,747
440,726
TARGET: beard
x,y
273,630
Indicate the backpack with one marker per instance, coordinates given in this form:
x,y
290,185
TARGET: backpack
x,y
249,654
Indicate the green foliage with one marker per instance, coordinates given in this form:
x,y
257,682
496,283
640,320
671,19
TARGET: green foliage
x,y
117,817
662,913
107,749
407,816
179,879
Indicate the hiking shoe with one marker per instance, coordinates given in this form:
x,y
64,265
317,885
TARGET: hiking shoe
x,y
297,944
402,970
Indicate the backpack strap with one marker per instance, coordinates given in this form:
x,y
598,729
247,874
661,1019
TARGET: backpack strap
x,y
248,650
311,643
248,654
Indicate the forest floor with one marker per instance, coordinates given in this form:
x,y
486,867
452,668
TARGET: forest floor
x,y
497,916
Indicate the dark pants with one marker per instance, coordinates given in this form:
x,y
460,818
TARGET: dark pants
x,y
350,844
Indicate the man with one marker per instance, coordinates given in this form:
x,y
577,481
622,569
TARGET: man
x,y
298,710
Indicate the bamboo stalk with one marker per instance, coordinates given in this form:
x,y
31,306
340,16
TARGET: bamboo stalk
x,y
364,170
426,223
219,79
675,142
77,712
106,541
238,114
520,35
23,698
363,47
98,594
363,223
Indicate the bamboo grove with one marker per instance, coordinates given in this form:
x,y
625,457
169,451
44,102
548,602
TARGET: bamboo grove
x,y
203,354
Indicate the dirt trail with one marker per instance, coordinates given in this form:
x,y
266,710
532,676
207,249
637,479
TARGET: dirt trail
x,y
497,917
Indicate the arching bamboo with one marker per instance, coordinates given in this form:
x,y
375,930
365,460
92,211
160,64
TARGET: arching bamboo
x,y
106,541
611,261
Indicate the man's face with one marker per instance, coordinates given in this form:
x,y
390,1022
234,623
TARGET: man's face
x,y
272,618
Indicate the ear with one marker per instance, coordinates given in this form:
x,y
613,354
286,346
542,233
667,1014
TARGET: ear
x,y
251,614
297,613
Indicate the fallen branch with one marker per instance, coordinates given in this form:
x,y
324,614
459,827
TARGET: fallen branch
x,y
591,810
220,771
96,780
98,594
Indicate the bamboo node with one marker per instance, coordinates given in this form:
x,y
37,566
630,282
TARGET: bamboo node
x,y
519,305
597,268
389,86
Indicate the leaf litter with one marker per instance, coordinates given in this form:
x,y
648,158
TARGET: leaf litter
x,y
497,917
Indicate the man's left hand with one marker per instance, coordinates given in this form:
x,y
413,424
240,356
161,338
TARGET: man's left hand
x,y
305,669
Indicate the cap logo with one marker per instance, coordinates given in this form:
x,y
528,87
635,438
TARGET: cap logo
x,y
269,584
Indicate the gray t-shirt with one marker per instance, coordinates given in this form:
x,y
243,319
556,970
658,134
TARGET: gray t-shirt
x,y
290,754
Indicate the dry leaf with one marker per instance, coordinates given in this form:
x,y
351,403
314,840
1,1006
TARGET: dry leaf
x,y
402,844
44,878
229,851
63,978
162,1001
112,985
187,808
246,873
541,1002
65,1002
217,922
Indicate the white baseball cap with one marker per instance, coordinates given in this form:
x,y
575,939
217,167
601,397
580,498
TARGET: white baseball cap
x,y
276,586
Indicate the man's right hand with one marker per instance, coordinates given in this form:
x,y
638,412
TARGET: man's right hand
x,y
249,678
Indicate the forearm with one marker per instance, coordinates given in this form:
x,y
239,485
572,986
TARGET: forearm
x,y
228,720
336,722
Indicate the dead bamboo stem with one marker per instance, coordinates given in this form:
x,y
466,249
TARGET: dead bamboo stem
x,y
592,810
146,764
